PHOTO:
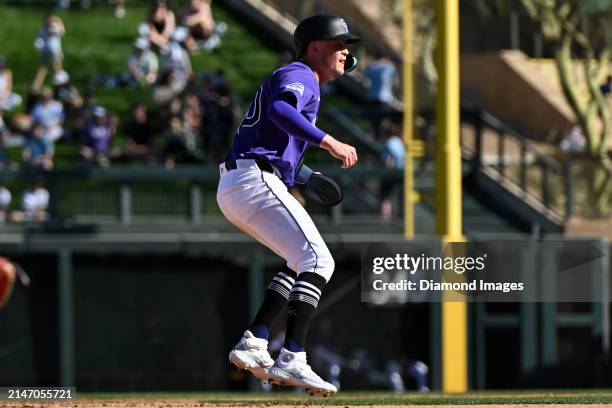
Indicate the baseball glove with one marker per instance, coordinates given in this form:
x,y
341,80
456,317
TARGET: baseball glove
x,y
9,271
7,280
318,187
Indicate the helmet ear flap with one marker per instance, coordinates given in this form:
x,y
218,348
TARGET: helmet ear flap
x,y
351,63
302,50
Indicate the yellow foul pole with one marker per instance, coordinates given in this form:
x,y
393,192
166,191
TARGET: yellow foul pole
x,y
448,188
408,123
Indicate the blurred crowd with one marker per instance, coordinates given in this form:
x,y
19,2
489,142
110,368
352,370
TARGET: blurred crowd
x,y
189,119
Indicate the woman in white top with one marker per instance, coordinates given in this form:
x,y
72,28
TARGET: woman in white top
x,y
34,202
8,99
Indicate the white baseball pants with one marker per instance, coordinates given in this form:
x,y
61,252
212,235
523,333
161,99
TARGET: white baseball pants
x,y
258,203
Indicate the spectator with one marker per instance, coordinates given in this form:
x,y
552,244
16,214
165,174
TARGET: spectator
x,y
574,140
49,43
72,103
35,201
219,82
5,202
393,157
181,145
98,134
8,99
219,116
203,31
175,58
38,152
139,134
382,77
160,24
21,124
82,115
32,98
143,66
50,114
5,160
197,16
89,104
606,87
67,94
119,8
176,69
394,152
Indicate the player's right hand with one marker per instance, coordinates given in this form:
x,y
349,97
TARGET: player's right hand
x,y
341,151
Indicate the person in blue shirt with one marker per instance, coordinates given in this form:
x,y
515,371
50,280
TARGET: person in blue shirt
x,y
37,151
393,157
382,76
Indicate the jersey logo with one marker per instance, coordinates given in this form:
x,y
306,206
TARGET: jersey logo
x,y
296,86
343,23
251,118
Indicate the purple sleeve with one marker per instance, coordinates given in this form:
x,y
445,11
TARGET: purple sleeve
x,y
293,122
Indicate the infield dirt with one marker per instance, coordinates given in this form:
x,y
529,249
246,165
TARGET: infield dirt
x,y
163,403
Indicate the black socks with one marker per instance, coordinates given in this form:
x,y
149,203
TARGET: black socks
x,y
274,303
303,300
301,296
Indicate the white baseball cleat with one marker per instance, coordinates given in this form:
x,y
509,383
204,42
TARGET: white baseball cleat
x,y
291,369
251,353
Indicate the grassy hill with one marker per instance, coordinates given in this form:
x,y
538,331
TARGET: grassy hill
x,y
97,43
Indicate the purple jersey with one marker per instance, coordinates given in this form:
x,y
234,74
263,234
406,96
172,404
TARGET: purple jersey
x,y
98,137
260,138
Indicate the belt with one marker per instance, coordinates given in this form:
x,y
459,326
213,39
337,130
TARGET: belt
x,y
262,164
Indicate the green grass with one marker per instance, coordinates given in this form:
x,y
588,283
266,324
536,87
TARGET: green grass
x,y
349,398
96,43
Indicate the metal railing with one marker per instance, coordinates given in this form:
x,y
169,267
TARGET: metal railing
x,y
516,163
128,195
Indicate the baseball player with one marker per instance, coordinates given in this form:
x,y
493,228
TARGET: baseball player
x,y
261,164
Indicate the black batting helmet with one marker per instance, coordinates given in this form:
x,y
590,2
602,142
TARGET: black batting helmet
x,y
321,27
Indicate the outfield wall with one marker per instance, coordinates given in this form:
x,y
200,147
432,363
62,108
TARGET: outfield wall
x,y
167,321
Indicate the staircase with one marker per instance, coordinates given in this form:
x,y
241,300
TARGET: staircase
x,y
510,175
502,170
